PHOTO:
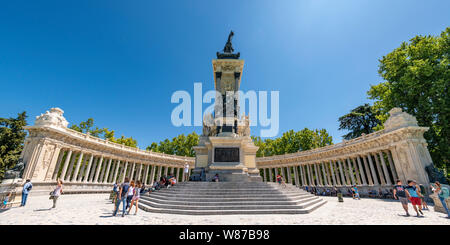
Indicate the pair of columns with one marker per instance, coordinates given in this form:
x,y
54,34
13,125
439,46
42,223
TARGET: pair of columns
x,y
341,171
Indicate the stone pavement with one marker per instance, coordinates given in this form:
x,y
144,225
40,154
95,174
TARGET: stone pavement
x,y
96,209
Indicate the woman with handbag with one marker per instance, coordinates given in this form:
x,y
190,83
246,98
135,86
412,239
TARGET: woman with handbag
x,y
56,193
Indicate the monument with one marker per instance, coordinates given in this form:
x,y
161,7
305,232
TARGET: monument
x,y
225,147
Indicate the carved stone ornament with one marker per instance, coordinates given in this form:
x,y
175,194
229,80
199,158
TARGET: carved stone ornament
x,y
53,118
399,119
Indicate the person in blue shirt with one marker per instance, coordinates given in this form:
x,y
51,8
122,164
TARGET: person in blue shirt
x,y
26,189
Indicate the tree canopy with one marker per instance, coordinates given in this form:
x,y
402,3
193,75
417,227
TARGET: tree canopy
x,y
362,119
12,136
103,133
292,141
181,145
417,79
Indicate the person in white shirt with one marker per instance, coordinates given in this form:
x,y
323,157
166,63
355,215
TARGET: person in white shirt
x,y
186,172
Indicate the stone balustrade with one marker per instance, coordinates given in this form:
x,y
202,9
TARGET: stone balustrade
x,y
374,161
83,162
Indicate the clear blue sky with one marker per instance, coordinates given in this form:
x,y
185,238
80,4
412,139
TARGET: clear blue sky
x,y
120,61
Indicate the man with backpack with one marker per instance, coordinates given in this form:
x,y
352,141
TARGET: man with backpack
x,y
122,197
26,189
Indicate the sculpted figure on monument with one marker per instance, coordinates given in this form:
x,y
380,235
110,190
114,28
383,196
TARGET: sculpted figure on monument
x,y
229,46
16,171
54,117
435,174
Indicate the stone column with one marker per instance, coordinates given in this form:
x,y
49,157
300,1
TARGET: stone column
x,y
311,177
379,170
350,171
82,171
372,169
341,172
159,172
324,174
108,169
145,181
361,171
356,171
99,167
332,173
133,166
346,172
66,165
288,168
276,173
88,169
152,175
139,172
124,171
166,170
58,164
391,165
70,169
265,174
318,177
116,172
297,181
77,168
385,170
302,175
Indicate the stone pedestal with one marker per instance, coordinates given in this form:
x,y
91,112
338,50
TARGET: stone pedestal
x,y
232,158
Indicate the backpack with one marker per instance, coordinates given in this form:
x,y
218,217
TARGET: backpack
x,y
125,190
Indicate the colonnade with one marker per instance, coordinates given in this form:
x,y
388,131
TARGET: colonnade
x,y
85,167
368,169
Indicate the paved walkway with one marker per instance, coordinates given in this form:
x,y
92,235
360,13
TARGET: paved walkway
x,y
96,209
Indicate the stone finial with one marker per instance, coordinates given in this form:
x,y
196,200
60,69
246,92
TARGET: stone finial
x,y
399,119
53,118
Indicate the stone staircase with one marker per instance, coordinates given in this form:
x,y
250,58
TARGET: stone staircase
x,y
209,198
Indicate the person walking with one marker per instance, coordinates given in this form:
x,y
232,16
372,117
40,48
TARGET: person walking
x,y
136,196
424,202
130,193
443,194
400,194
186,172
122,197
413,192
25,191
56,193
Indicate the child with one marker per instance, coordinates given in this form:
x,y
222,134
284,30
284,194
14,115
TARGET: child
x,y
6,200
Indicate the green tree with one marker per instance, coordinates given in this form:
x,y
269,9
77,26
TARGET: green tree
x,y
292,141
103,133
12,136
181,145
417,79
362,119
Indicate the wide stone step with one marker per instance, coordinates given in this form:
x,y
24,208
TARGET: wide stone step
x,y
225,199
214,202
211,191
228,195
229,207
305,210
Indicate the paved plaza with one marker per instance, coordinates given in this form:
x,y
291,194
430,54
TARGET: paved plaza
x,y
91,209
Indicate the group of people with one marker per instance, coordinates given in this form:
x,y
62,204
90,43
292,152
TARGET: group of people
x,y
415,194
129,192
411,192
26,189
